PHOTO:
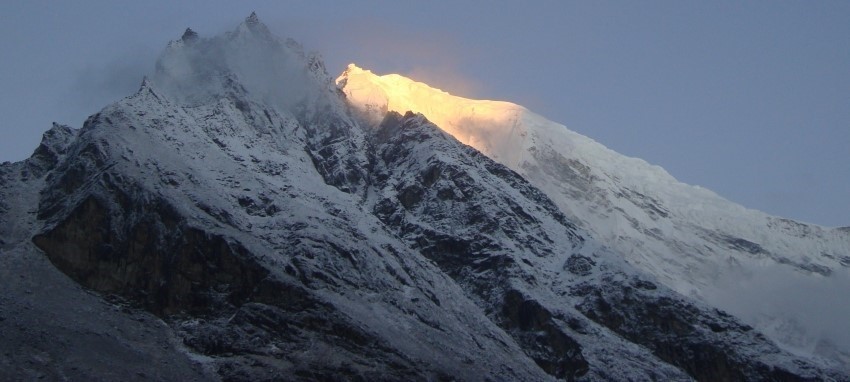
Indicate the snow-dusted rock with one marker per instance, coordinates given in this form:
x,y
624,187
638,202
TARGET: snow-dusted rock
x,y
238,199
689,238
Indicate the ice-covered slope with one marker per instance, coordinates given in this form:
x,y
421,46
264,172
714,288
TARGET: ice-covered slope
x,y
257,231
236,217
693,240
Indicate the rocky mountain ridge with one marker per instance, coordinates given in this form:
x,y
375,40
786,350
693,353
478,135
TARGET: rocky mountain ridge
x,y
689,238
211,226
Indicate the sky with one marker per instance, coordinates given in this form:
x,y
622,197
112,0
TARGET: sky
x,y
750,99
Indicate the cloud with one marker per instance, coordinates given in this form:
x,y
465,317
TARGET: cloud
x,y
807,314
424,54
109,78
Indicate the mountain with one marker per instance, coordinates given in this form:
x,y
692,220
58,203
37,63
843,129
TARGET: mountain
x,y
689,238
237,219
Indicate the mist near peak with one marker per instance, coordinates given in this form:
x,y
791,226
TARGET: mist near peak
x,y
815,310
437,58
246,61
111,79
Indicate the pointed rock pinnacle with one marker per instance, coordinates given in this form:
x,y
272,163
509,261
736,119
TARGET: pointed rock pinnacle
x,y
189,35
252,19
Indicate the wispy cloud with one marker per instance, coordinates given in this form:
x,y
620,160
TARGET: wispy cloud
x,y
435,57
109,78
808,313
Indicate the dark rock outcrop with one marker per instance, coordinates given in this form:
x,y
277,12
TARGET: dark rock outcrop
x,y
277,238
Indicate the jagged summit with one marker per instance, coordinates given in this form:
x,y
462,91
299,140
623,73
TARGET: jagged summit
x,y
189,35
248,61
252,19
146,83
239,221
253,26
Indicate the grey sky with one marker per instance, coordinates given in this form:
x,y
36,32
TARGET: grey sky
x,y
750,99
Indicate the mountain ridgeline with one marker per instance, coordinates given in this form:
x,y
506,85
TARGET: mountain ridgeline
x,y
243,216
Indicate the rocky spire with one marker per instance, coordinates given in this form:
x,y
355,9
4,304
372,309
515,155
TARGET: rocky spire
x,y
253,25
252,19
189,35
145,83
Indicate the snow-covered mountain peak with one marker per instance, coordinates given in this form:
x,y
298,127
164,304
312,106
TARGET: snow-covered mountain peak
x,y
498,129
236,199
247,63
189,35
253,26
146,84
690,238
252,19
490,126
364,85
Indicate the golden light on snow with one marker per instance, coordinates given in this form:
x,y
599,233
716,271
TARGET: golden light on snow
x,y
492,127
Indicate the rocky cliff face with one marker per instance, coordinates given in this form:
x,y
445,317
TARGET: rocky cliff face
x,y
241,231
689,238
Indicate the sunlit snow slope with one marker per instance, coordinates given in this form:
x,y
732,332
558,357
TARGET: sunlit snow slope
x,y
691,239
